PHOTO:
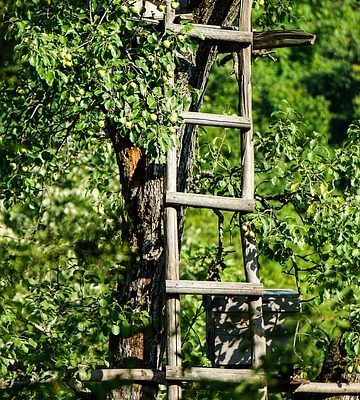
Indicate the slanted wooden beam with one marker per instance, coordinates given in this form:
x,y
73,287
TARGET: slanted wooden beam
x,y
276,39
273,40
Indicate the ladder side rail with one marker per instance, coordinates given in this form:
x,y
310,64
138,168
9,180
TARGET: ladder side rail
x,y
248,172
172,273
172,259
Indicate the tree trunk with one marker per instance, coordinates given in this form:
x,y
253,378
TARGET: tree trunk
x,y
142,188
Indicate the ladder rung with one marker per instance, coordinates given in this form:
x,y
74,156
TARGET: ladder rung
x,y
327,387
225,121
197,374
214,288
126,374
204,32
208,201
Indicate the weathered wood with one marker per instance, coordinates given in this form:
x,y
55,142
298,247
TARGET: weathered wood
x,y
199,374
285,38
225,121
215,288
229,338
329,388
247,150
245,105
208,201
170,13
274,300
248,188
172,272
272,40
172,252
126,374
172,259
215,33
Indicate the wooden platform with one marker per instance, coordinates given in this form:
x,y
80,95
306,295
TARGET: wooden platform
x,y
229,341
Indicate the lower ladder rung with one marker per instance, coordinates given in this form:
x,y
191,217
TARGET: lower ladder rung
x,y
126,374
214,288
198,374
208,201
225,121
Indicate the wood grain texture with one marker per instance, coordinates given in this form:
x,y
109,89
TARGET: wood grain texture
x,y
199,374
329,388
173,331
248,188
225,121
274,300
283,38
213,288
272,40
215,33
229,339
127,374
208,201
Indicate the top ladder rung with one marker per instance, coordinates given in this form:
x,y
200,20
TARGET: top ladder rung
x,y
225,121
204,32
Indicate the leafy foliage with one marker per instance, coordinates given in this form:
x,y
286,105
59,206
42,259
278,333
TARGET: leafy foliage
x,y
59,269
118,70
84,68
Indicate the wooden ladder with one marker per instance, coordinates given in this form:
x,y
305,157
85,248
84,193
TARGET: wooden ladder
x,y
243,38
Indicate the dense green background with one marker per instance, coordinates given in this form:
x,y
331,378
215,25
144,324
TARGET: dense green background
x,y
61,252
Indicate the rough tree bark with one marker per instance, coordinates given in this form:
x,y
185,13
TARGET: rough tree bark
x,y
142,189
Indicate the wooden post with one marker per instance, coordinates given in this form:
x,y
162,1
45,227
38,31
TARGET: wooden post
x,y
248,171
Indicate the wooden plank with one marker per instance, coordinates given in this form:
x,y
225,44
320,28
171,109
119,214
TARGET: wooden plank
x,y
208,201
225,121
229,343
329,388
274,323
272,40
204,32
200,374
126,374
211,287
274,301
282,38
